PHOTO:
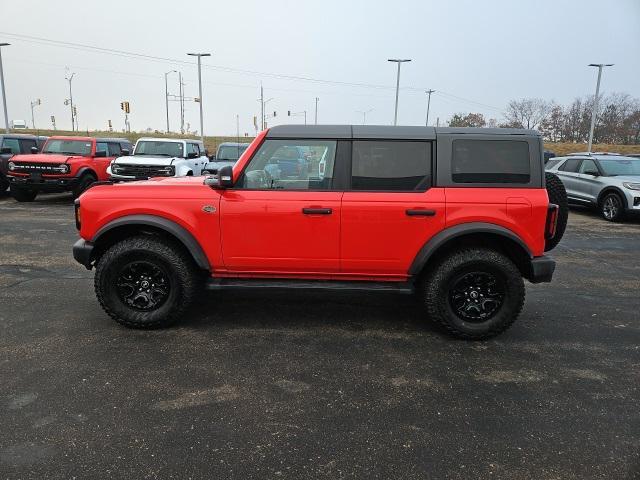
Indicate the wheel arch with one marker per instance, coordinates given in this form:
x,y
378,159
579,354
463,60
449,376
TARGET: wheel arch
x,y
612,189
473,234
87,171
129,225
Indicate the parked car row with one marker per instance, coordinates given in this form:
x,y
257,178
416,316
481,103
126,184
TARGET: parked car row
x,y
30,165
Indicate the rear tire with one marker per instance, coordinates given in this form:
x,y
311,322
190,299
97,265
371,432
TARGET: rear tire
x,y
146,282
85,182
476,293
23,194
612,207
558,195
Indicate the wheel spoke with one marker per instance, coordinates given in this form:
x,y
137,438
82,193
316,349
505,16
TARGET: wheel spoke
x,y
476,296
142,285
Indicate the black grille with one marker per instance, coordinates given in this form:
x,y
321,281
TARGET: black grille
x,y
37,167
143,171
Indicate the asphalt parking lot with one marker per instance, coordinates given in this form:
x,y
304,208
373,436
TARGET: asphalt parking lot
x,y
316,385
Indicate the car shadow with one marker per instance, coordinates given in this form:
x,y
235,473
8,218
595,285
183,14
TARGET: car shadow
x,y
595,215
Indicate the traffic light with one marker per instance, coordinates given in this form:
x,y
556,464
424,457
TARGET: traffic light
x,y
75,111
288,113
124,106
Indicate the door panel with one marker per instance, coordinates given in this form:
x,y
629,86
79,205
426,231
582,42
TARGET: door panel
x,y
382,232
268,232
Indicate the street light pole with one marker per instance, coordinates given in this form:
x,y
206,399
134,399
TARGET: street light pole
x,y
4,94
428,92
166,95
200,55
316,114
594,112
34,104
398,61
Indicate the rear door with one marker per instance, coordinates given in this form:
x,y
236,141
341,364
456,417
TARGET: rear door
x,y
588,180
391,208
568,173
275,225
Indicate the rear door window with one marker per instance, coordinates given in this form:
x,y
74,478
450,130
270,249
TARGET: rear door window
x,y
490,161
114,150
588,165
27,144
570,165
403,166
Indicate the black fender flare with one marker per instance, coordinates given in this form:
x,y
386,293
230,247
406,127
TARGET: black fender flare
x,y
169,226
84,171
612,189
441,238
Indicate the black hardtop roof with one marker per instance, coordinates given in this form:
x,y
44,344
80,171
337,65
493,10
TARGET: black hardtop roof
x,y
19,136
385,131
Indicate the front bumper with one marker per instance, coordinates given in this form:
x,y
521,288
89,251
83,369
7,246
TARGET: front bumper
x,y
542,269
44,184
82,253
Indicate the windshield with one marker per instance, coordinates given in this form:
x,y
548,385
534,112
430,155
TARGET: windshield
x,y
620,166
230,153
68,147
159,148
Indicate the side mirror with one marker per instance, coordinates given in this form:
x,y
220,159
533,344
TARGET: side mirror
x,y
101,154
212,157
592,172
34,150
192,155
124,152
223,179
6,150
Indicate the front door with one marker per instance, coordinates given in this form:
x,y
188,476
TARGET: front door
x,y
276,222
391,210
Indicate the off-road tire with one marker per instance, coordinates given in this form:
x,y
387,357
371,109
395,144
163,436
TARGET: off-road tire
x,y
558,195
23,194
437,284
619,216
183,278
85,182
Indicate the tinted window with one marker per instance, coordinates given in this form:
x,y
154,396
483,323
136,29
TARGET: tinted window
x,y
552,163
490,161
588,166
284,165
231,153
102,147
68,147
11,143
570,165
114,150
620,166
193,148
389,165
27,145
159,148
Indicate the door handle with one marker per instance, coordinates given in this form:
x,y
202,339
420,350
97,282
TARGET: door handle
x,y
419,212
317,211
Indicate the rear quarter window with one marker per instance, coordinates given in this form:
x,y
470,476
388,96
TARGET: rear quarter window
x,y
490,161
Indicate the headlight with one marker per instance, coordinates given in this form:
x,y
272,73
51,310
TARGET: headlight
x,y
64,168
629,185
115,168
11,166
169,171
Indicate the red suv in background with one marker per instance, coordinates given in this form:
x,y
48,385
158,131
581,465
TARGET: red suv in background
x,y
458,215
66,164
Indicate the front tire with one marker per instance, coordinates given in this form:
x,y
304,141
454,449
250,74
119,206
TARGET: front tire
x,y
612,207
23,194
474,294
145,282
85,182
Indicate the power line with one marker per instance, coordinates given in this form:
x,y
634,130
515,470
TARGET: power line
x,y
142,56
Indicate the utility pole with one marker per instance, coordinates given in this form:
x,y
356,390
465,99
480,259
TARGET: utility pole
x,y
4,94
316,115
69,79
594,111
200,55
261,108
180,86
399,61
166,95
34,104
364,114
428,92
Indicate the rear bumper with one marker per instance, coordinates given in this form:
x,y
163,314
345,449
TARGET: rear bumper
x,y
82,253
53,185
542,269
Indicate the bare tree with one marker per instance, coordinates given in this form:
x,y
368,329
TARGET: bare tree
x,y
467,120
528,112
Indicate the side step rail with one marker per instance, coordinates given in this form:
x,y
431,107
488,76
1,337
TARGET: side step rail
x,y
236,283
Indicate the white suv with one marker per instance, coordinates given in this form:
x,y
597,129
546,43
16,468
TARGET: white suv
x,y
160,157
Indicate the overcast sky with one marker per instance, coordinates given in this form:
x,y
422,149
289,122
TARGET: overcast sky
x,y
477,55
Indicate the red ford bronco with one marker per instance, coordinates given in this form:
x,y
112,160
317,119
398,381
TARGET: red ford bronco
x,y
67,164
458,215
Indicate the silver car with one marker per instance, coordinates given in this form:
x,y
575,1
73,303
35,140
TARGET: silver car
x,y
609,182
